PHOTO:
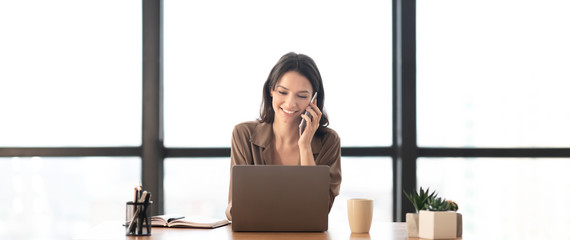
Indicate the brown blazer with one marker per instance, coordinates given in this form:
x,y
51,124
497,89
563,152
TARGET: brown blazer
x,y
252,145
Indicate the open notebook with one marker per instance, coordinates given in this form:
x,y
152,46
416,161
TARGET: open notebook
x,y
175,220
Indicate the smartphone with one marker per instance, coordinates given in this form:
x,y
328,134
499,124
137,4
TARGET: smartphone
x,y
303,123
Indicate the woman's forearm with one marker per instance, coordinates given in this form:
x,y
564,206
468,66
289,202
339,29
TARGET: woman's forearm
x,y
307,158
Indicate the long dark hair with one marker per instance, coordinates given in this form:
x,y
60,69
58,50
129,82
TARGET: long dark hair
x,y
304,65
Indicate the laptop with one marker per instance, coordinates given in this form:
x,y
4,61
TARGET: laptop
x,y
280,198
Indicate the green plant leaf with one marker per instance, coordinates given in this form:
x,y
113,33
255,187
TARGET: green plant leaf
x,y
420,200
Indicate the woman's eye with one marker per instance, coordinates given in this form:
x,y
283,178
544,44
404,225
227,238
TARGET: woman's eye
x,y
282,93
301,96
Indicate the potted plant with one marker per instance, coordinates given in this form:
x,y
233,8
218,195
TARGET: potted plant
x,y
439,220
420,201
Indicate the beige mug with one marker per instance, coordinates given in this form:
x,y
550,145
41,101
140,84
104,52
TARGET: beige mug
x,y
360,214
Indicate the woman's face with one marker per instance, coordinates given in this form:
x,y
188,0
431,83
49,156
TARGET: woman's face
x,y
291,96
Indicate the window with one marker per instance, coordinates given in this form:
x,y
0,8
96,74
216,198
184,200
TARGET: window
x,y
511,198
366,177
196,186
493,74
72,78
218,54
191,192
59,197
69,76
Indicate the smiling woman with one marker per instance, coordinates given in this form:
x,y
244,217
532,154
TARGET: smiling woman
x,y
276,138
300,73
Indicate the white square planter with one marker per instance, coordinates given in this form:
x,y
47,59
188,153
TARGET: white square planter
x,y
438,225
459,225
412,224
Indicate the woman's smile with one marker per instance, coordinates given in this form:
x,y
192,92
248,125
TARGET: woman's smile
x,y
289,112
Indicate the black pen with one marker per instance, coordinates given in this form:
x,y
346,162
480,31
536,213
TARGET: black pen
x,y
141,211
140,199
148,220
135,220
135,200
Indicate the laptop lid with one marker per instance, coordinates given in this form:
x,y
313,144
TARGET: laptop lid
x,y
280,198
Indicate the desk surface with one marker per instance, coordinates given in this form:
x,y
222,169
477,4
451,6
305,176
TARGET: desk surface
x,y
339,230
114,230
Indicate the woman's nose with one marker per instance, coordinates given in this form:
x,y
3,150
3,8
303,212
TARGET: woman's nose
x,y
290,101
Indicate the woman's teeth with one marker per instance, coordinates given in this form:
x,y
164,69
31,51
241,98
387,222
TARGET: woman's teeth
x,y
289,112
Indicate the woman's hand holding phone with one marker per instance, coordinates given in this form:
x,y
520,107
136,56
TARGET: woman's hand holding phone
x,y
309,122
303,123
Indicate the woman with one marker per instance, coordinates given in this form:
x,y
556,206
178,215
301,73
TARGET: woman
x,y
276,138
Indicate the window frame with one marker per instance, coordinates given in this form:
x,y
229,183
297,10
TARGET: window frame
x,y
404,150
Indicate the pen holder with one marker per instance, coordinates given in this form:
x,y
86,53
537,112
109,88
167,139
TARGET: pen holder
x,y
137,219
